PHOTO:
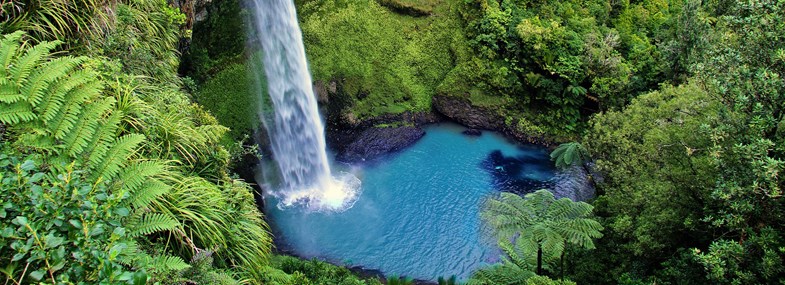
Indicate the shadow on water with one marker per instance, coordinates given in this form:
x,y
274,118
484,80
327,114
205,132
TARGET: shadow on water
x,y
520,174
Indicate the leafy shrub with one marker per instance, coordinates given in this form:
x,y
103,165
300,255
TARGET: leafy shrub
x,y
63,227
57,108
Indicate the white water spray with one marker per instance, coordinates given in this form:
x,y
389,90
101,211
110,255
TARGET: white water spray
x,y
297,132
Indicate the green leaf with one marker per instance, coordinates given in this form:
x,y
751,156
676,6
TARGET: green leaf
x,y
22,221
36,177
77,224
140,278
37,275
27,165
52,241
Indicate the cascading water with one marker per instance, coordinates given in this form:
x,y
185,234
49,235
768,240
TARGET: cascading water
x,y
297,132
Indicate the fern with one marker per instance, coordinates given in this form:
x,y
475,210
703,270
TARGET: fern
x,y
152,223
168,263
113,159
8,92
77,140
49,106
9,45
24,65
539,222
39,81
569,154
68,115
136,173
151,190
16,113
99,144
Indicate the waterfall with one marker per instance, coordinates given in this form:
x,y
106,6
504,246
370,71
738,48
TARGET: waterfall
x,y
297,132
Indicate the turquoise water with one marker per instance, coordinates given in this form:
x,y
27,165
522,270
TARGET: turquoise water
x,y
418,213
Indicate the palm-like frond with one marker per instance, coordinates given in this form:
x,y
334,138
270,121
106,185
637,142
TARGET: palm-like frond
x,y
538,221
569,154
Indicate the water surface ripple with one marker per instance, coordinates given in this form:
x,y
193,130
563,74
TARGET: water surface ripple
x,y
418,214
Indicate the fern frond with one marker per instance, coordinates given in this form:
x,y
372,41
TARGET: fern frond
x,y
8,92
135,174
49,105
9,45
131,253
67,116
76,140
39,82
149,191
23,66
99,144
153,223
17,112
169,263
113,159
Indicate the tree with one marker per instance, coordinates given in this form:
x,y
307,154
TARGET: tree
x,y
539,223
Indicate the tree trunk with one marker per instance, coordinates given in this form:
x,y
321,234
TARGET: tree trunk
x,y
539,260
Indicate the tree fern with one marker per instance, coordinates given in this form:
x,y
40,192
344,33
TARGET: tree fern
x,y
540,223
569,154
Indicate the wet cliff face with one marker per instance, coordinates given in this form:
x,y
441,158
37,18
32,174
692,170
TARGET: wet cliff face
x,y
462,111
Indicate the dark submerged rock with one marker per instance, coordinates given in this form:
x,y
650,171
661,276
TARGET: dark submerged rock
x,y
375,142
472,132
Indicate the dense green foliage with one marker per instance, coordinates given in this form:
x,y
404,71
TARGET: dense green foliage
x,y
111,173
233,97
562,59
106,160
383,62
692,190
679,102
315,272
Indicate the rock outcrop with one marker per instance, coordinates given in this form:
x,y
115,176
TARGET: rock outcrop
x,y
375,142
462,111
